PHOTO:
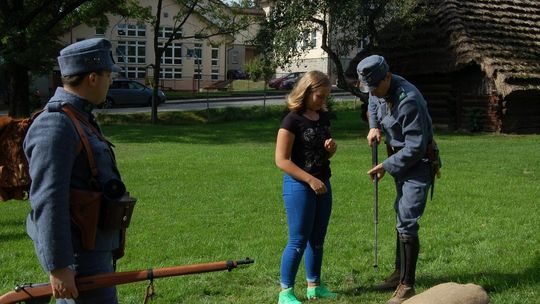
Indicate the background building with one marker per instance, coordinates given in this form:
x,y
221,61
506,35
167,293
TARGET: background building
x,y
477,62
188,64
314,58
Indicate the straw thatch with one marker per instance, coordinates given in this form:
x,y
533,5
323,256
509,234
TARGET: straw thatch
x,y
477,62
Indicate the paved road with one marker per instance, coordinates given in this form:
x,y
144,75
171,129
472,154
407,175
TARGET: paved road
x,y
201,104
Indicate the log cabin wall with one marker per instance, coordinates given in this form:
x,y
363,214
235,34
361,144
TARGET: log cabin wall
x,y
437,90
477,63
464,100
521,113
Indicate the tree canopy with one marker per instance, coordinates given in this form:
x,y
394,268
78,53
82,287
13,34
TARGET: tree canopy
x,y
221,21
343,24
29,32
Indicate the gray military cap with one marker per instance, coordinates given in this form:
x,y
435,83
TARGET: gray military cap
x,y
371,70
86,56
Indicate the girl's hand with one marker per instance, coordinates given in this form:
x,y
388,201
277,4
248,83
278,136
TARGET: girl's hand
x,y
318,186
330,145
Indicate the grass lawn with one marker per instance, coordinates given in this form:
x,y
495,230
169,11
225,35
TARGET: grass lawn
x,y
210,192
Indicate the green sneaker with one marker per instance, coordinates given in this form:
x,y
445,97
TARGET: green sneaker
x,y
286,296
320,292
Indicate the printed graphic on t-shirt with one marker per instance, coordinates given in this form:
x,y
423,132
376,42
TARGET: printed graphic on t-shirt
x,y
314,138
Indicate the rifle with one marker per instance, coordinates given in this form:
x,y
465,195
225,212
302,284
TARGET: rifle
x,y
374,157
30,291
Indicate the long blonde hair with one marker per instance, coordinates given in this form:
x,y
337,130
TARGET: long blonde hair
x,y
311,81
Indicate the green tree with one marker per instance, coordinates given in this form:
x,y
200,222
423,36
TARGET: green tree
x,y
29,32
261,68
223,21
343,25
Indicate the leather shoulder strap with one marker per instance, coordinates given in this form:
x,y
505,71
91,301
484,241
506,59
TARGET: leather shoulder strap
x,y
75,118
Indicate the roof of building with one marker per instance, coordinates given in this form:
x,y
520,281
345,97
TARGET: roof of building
x,y
501,36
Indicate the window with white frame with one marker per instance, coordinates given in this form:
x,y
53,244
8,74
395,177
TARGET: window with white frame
x,y
215,56
131,51
215,74
309,40
166,32
131,30
235,57
170,73
313,39
136,72
173,54
197,73
197,50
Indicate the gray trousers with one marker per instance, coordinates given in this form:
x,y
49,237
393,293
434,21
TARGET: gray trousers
x,y
411,200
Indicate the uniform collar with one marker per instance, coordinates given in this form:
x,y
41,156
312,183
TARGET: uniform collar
x,y
395,91
63,97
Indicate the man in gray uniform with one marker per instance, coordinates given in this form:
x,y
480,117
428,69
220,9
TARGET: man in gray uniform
x,y
59,165
399,109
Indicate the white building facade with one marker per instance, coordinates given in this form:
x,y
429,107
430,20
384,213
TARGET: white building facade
x,y
314,58
188,64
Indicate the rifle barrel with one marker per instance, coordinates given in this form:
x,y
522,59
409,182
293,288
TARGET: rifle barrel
x,y
375,159
29,291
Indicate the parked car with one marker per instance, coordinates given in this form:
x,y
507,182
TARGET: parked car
x,y
288,84
276,83
236,74
130,92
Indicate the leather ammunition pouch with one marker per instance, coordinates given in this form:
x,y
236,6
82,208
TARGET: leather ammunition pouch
x,y
117,214
90,210
85,207
432,153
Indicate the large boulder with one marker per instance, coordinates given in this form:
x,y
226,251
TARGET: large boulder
x,y
451,293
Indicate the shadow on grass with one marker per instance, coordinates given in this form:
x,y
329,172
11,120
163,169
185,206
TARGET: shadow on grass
x,y
9,234
12,236
12,222
233,126
491,281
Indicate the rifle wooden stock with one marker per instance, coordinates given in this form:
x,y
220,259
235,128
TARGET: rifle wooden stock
x,y
31,291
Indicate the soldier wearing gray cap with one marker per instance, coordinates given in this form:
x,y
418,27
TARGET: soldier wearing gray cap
x,y
59,164
399,109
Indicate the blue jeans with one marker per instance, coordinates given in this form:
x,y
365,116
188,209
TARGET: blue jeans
x,y
92,263
308,215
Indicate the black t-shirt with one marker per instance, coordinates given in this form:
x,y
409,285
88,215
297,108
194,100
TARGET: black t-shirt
x,y
308,151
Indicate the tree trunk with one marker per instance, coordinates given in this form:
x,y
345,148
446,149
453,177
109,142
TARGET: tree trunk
x,y
18,81
155,98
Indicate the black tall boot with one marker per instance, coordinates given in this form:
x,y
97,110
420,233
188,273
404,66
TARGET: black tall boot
x,y
392,281
409,247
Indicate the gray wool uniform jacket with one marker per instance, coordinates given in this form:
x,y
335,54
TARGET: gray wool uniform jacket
x,y
52,147
407,126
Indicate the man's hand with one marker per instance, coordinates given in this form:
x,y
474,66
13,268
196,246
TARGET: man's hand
x,y
373,135
379,170
63,283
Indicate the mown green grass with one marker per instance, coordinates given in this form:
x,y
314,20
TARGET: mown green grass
x,y
209,191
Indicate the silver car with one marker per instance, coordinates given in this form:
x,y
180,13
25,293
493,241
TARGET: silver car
x,y
130,92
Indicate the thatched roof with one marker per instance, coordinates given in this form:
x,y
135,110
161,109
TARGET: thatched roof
x,y
501,36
